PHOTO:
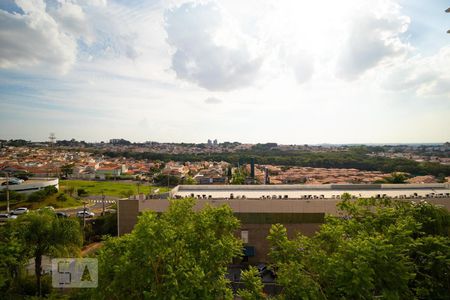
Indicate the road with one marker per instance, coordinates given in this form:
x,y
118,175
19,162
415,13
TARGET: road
x,y
94,205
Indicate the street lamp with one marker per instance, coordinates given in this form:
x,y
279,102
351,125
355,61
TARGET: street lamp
x,y
448,11
7,191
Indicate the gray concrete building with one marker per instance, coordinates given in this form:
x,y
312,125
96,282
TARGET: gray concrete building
x,y
301,208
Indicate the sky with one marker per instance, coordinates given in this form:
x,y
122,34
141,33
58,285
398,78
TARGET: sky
x,y
254,71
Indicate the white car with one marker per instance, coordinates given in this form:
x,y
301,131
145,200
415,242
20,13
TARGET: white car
x,y
20,211
6,217
50,208
86,214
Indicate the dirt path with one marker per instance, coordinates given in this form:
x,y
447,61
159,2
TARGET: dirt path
x,y
91,248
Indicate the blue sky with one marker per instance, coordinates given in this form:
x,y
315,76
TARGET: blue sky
x,y
300,72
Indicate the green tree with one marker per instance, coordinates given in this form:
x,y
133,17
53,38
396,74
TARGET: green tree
x,y
396,178
127,193
12,252
381,248
67,169
43,233
179,254
82,193
164,180
253,285
238,176
188,180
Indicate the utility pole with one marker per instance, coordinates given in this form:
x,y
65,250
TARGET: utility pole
x,y
138,185
7,192
84,215
103,203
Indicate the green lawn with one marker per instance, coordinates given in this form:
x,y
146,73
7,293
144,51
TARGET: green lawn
x,y
109,188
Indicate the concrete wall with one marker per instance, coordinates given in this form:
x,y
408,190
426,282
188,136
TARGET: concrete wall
x,y
257,237
32,185
128,211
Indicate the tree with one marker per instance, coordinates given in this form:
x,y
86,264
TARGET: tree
x,y
188,180
67,169
127,193
380,249
253,285
179,254
12,253
163,179
396,178
43,233
238,176
82,193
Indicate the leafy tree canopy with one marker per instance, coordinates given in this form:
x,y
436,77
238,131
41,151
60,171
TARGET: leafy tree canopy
x,y
179,254
379,249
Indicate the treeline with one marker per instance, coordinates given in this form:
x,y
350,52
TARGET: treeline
x,y
354,158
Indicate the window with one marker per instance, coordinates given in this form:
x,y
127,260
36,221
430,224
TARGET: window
x,y
244,236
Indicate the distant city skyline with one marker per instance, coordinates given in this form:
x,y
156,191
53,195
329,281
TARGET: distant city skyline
x,y
290,72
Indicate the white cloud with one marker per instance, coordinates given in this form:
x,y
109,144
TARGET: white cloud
x,y
72,19
34,39
282,61
213,100
207,51
426,76
374,37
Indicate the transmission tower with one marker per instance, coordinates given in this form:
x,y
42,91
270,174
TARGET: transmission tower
x,y
52,139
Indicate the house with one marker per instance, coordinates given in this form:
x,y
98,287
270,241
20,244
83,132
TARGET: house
x,y
211,176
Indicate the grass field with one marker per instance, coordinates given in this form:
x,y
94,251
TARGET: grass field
x,y
109,188
93,188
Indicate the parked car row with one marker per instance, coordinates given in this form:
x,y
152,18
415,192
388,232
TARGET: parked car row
x,y
6,217
23,210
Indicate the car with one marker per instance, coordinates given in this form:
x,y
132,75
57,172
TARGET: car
x,y
10,182
85,213
62,214
23,176
6,217
20,211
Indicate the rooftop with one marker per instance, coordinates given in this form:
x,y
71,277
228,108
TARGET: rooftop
x,y
297,191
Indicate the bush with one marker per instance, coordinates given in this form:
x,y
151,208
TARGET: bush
x,y
62,197
126,193
50,190
42,194
37,196
82,193
27,285
13,196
